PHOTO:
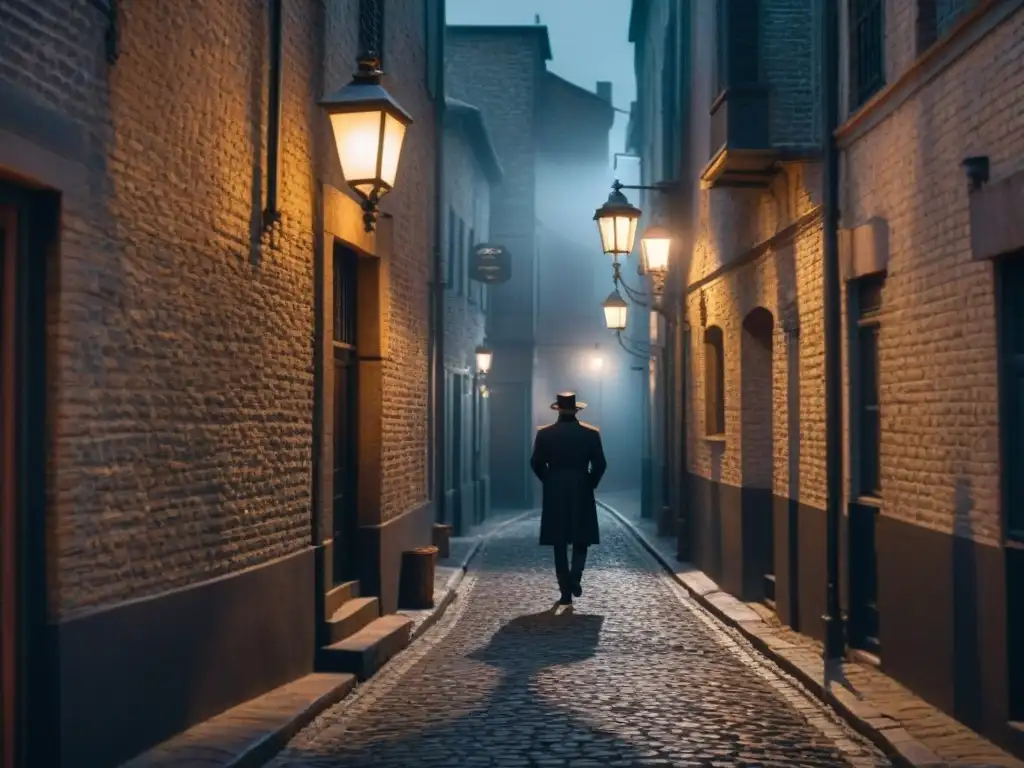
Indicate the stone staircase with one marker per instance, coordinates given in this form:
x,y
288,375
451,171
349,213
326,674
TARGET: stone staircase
x,y
357,639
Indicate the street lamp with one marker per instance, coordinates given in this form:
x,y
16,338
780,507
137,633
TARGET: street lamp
x,y
484,357
369,128
615,310
655,244
616,223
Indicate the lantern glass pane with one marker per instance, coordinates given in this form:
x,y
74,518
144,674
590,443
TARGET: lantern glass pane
x,y
394,135
357,135
606,226
625,229
655,253
615,317
483,361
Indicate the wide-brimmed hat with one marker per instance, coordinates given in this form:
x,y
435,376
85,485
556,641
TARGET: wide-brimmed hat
x,y
566,401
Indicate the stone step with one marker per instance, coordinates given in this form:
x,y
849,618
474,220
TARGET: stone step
x,y
365,652
339,595
351,617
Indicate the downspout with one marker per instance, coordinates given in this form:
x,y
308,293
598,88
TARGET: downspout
x,y
437,284
831,301
683,553
271,215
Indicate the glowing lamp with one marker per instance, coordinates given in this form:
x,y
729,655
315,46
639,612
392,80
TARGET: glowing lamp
x,y
615,309
616,222
484,357
655,244
369,129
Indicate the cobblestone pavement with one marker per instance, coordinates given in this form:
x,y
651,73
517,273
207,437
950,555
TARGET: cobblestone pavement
x,y
635,674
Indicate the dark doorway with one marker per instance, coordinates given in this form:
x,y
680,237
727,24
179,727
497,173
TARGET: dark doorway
x,y
346,426
757,455
865,302
457,432
9,565
1010,294
510,424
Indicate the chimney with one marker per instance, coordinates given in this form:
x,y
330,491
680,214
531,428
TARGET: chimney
x,y
604,90
536,18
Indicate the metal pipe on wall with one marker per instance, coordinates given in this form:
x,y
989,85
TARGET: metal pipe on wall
x,y
437,283
270,212
831,309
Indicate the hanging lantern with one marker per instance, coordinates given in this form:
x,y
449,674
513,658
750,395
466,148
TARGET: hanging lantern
x,y
616,222
615,310
484,358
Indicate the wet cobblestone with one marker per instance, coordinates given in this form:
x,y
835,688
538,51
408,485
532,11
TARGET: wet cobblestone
x,y
635,674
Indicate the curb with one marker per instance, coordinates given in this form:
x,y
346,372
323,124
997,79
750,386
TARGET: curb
x,y
452,585
265,749
886,734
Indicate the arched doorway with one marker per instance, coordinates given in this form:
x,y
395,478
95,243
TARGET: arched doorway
x,y
757,454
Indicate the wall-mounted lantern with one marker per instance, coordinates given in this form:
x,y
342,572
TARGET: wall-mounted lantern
x,y
369,128
484,358
616,222
655,244
615,311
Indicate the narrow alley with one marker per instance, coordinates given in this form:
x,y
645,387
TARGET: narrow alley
x,y
634,673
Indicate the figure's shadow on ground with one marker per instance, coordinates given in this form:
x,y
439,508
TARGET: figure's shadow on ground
x,y
517,719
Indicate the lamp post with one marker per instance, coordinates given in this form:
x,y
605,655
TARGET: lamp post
x,y
369,129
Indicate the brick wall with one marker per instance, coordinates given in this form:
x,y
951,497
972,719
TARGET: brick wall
x,y
791,68
468,193
182,399
498,72
938,334
786,281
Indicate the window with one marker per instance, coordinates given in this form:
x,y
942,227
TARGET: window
x,y
474,286
866,40
937,17
449,277
866,295
714,381
670,96
461,262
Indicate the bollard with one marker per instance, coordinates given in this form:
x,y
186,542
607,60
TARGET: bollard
x,y
442,540
416,583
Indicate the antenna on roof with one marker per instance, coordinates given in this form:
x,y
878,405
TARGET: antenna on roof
x,y
536,18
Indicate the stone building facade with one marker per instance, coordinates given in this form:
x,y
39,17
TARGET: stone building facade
x,y
929,531
173,382
472,170
543,324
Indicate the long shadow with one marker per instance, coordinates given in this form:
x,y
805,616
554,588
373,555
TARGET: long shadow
x,y
522,718
968,697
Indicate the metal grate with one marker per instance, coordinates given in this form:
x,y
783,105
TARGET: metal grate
x,y
867,74
371,27
345,294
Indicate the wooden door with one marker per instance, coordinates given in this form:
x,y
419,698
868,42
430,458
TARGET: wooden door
x,y
8,492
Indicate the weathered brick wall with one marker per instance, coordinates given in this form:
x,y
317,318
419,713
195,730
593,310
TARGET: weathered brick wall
x,y
786,281
468,193
938,364
182,396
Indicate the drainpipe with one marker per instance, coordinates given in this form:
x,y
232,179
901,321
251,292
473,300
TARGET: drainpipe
x,y
831,301
271,214
437,284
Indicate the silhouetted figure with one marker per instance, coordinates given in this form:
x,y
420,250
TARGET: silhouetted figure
x,y
569,461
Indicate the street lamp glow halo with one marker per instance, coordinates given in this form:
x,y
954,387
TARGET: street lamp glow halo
x,y
615,311
655,246
616,223
369,128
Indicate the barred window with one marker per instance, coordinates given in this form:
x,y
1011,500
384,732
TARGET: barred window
x,y
866,42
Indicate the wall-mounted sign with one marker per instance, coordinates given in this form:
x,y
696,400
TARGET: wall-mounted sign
x,y
490,264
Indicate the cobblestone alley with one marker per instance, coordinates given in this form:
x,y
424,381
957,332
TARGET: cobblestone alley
x,y
634,674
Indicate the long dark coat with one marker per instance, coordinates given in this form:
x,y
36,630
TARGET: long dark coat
x,y
569,460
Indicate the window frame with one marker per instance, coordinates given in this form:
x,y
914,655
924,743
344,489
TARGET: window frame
x,y
714,383
866,316
865,16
